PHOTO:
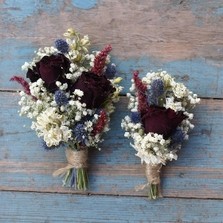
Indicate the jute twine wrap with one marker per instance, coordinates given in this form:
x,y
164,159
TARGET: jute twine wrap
x,y
153,173
75,159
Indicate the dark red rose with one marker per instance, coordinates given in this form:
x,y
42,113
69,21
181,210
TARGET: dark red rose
x,y
161,120
96,89
50,69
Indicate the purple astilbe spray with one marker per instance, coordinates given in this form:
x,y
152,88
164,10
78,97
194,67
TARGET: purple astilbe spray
x,y
23,82
141,91
100,59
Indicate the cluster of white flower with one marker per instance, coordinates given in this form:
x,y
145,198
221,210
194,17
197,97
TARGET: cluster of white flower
x,y
40,53
152,148
52,126
55,123
40,99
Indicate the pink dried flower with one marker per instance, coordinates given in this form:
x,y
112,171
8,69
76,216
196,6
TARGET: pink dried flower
x,y
100,59
141,91
23,82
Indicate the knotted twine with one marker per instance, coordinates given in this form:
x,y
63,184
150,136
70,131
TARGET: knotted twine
x,y
152,175
76,159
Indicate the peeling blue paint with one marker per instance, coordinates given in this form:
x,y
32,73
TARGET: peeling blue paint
x,y
15,54
84,4
190,72
219,11
20,10
202,11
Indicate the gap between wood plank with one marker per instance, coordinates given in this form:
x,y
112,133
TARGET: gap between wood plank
x,y
106,195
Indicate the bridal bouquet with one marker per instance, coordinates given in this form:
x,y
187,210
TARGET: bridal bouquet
x,y
159,122
69,97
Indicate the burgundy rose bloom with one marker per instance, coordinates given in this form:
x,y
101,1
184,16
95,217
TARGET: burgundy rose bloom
x,y
50,69
161,120
96,89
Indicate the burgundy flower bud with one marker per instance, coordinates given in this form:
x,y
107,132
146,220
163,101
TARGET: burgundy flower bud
x,y
96,89
161,120
50,69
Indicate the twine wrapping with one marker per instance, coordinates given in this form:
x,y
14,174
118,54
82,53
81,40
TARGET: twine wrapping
x,y
76,159
152,175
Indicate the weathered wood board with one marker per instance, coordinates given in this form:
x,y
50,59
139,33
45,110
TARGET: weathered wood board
x,y
48,207
183,37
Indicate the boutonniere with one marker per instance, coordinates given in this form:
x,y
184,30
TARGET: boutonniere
x,y
159,122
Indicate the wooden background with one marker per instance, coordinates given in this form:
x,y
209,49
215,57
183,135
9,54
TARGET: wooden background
x,y
184,37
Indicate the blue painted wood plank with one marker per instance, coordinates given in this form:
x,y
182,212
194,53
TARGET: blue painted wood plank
x,y
25,207
198,172
202,78
188,46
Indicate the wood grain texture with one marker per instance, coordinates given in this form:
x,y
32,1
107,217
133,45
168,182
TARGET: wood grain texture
x,y
115,170
182,37
107,209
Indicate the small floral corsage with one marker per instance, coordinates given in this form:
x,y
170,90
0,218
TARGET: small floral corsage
x,y
159,122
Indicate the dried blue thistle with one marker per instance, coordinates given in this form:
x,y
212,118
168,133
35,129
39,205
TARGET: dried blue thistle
x,y
135,117
110,71
80,133
60,98
155,91
178,136
157,87
62,45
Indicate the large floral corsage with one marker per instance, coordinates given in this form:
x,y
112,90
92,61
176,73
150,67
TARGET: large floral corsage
x,y
159,122
69,98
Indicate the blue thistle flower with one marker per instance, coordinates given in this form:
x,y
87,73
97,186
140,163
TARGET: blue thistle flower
x,y
152,98
60,98
178,136
110,71
157,87
80,133
135,117
62,45
155,91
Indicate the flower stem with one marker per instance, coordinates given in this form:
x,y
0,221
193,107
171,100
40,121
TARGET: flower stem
x,y
154,191
82,179
67,177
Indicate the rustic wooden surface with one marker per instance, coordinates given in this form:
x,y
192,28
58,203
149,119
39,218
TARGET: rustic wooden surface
x,y
183,37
